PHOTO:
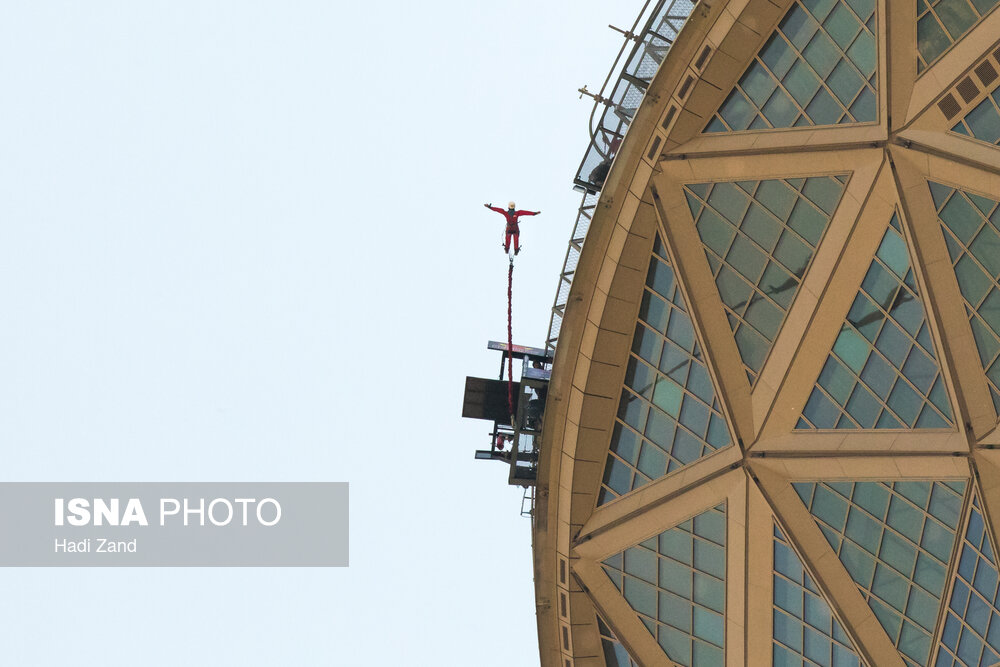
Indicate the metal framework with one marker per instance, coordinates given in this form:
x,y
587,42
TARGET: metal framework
x,y
796,498
609,121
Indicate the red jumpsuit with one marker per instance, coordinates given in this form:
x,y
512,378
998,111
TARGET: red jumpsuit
x,y
512,228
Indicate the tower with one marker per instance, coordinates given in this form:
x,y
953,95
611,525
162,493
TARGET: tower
x,y
771,427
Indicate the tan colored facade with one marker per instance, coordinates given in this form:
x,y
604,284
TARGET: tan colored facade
x,y
886,166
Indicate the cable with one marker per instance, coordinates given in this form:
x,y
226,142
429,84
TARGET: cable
x,y
510,341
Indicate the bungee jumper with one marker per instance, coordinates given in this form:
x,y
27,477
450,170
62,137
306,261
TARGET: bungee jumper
x,y
517,421
512,231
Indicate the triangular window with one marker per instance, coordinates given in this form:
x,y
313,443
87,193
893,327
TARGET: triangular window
x,y
972,626
676,583
971,227
805,628
668,415
819,67
760,238
882,371
941,23
896,541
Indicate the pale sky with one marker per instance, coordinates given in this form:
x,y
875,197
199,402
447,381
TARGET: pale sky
x,y
244,241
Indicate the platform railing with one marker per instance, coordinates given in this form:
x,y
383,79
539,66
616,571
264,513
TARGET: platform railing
x,y
626,85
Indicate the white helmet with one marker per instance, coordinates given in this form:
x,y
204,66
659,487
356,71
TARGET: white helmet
x,y
511,205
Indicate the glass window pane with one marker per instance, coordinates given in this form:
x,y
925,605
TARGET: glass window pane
x,y
863,531
660,278
986,342
907,311
730,201
986,248
678,545
866,317
898,553
761,226
862,53
801,82
956,15
852,349
700,384
880,285
836,380
632,410
890,587
863,108
819,8
777,55
892,251
845,82
830,507
893,343
765,317
914,643
681,332
788,631
737,111
842,26
872,497
710,592
779,110
694,415
706,654
716,233
990,310
778,284
641,563
822,54
823,109
758,84
937,541
859,564
824,192
984,6
777,197
920,370
746,258
793,254
640,596
864,407
905,403
961,217
929,574
660,429
973,282
683,604
617,476
652,461
878,375
711,526
718,434
931,38
654,311
798,26
984,122
945,505
734,289
710,558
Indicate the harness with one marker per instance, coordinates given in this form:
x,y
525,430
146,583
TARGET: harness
x,y
512,227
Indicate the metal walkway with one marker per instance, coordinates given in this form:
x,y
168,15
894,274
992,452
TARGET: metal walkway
x,y
609,121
